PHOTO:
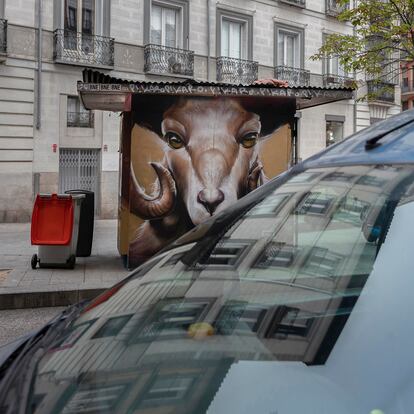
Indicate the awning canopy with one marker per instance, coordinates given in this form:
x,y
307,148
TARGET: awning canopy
x,y
103,92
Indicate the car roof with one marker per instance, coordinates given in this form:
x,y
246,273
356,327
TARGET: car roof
x,y
387,142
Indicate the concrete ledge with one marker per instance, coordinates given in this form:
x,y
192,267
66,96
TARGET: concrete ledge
x,y
24,299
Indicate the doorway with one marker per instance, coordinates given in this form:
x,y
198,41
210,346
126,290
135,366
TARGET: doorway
x,y
79,169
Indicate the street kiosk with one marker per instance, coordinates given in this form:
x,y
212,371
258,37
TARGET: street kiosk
x,y
190,149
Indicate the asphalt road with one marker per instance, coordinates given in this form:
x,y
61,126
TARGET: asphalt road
x,y
14,323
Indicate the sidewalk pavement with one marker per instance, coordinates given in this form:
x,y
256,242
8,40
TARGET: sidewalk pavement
x,y
22,287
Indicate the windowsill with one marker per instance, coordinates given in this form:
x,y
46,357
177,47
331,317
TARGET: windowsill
x,y
292,3
168,74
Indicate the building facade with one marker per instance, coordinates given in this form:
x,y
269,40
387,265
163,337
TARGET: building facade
x,y
49,142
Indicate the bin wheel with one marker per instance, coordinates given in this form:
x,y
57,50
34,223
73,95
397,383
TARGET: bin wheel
x,y
72,261
34,261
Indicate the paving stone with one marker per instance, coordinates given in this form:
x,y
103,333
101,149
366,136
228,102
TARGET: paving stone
x,y
25,287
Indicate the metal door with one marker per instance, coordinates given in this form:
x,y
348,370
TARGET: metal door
x,y
80,169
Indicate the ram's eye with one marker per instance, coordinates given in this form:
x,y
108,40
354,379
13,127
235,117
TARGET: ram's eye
x,y
174,140
249,140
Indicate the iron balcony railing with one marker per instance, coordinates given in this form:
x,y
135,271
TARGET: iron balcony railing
x,y
239,71
294,76
80,119
330,79
3,36
332,8
407,88
381,91
83,49
168,60
298,3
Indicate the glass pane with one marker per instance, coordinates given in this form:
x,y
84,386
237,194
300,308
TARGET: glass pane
x,y
225,36
235,40
170,17
88,16
334,132
73,104
281,48
156,18
71,13
326,282
290,51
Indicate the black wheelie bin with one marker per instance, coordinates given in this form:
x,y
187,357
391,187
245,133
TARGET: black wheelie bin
x,y
86,222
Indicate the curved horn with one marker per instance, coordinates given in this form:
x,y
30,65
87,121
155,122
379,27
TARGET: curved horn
x,y
153,207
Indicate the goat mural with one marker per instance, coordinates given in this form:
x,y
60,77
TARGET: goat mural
x,y
211,159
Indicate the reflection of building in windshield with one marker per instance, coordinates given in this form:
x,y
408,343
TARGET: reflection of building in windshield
x,y
280,285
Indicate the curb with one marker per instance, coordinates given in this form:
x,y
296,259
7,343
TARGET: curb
x,y
24,300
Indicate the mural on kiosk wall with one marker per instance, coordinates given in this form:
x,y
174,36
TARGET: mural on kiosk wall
x,y
189,158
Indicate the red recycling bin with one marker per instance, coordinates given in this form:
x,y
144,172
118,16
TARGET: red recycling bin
x,y
55,227
52,220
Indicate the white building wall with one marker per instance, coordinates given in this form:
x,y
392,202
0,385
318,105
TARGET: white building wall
x,y
27,160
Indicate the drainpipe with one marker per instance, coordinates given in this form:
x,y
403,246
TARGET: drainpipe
x,y
208,40
39,63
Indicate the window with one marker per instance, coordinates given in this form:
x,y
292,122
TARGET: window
x,y
340,177
405,83
405,105
334,67
239,317
352,210
167,389
276,255
234,35
94,398
112,326
334,132
166,23
171,319
77,115
321,262
227,254
79,24
231,39
315,203
289,321
289,46
270,206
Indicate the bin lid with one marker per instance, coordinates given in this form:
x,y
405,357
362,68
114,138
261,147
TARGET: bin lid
x,y
52,219
103,92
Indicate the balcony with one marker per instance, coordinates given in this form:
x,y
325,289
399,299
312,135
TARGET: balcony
x,y
83,49
381,91
239,71
332,8
3,39
297,3
84,119
163,60
294,76
333,80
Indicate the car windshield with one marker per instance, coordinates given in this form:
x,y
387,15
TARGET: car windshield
x,y
299,302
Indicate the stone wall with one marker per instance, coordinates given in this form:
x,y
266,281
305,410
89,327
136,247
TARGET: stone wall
x,y
27,152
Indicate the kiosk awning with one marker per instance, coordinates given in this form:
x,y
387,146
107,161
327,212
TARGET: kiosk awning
x,y
103,92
